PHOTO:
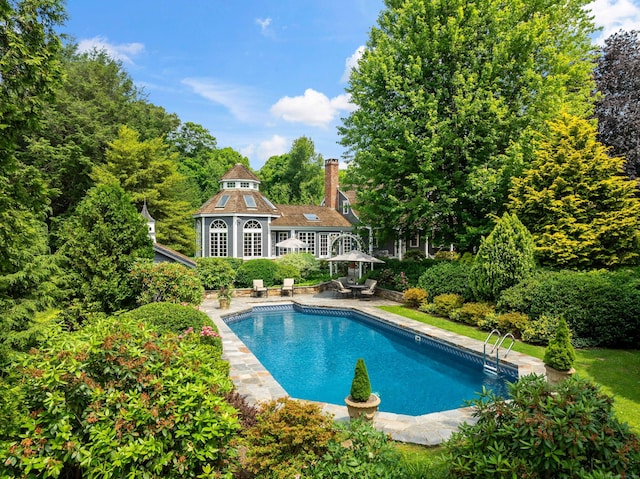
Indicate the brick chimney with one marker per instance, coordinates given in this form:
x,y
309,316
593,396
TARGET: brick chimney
x,y
331,183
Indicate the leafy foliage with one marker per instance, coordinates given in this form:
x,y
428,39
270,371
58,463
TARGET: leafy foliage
x,y
504,259
166,282
214,273
540,330
289,436
360,385
414,297
264,269
148,172
448,93
170,317
358,450
617,78
566,433
296,177
305,263
581,212
600,307
472,313
447,277
99,244
559,353
117,400
444,304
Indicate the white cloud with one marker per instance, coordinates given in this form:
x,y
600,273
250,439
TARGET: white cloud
x,y
351,63
276,145
123,52
313,108
264,26
236,98
614,15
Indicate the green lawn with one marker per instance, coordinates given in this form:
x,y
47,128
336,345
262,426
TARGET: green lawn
x,y
617,371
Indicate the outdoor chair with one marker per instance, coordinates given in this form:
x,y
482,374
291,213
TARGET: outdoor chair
x,y
340,289
287,287
370,291
259,289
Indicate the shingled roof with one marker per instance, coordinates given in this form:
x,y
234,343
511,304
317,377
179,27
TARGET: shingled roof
x,y
236,204
240,172
294,215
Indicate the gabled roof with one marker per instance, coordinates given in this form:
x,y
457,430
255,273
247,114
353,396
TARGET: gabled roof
x,y
171,255
236,204
294,215
240,172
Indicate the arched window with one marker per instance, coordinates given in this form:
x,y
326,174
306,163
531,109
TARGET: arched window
x,y
252,238
218,236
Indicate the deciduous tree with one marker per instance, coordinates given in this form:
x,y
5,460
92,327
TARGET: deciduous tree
x,y
575,200
618,109
448,93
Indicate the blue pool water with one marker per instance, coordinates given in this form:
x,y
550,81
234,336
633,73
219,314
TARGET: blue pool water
x,y
313,356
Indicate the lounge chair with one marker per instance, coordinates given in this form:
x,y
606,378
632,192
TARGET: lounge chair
x,y
340,289
370,291
287,287
258,288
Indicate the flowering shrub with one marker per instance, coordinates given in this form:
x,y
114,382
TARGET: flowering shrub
x,y
117,400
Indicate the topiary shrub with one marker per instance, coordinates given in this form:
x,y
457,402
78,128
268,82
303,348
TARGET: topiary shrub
x,y
444,304
447,277
361,385
264,269
560,354
166,282
505,258
215,273
170,317
116,399
289,436
414,297
473,313
566,433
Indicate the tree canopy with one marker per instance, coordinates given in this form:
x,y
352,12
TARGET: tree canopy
x,y
618,109
296,177
573,198
448,95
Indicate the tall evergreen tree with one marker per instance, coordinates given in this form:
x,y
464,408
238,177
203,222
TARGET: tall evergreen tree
x,y
100,242
29,71
448,93
576,201
505,258
147,170
618,109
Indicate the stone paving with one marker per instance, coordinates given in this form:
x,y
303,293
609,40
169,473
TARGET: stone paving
x,y
254,381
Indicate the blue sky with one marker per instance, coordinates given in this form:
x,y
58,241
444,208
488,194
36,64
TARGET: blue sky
x,y
256,73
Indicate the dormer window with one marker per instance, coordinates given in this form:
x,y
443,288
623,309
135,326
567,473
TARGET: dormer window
x,y
345,208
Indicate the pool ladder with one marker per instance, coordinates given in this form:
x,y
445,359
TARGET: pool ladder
x,y
491,367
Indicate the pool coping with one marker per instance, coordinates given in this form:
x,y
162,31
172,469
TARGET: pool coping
x,y
253,380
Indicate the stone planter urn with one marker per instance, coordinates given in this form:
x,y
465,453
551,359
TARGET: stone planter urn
x,y
555,376
362,410
224,303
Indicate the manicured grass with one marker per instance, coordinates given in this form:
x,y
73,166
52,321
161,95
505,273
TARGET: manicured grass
x,y
617,371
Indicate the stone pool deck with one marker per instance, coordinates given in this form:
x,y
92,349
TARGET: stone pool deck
x,y
254,381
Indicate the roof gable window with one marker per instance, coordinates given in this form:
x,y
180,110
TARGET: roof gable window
x,y
222,202
250,201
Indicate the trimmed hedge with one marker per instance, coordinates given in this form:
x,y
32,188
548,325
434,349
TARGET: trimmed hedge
x,y
602,308
447,277
170,317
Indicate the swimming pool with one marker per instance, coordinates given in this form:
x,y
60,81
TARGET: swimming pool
x,y
312,351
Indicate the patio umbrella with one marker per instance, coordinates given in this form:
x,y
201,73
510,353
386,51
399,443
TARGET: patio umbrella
x,y
354,256
292,243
